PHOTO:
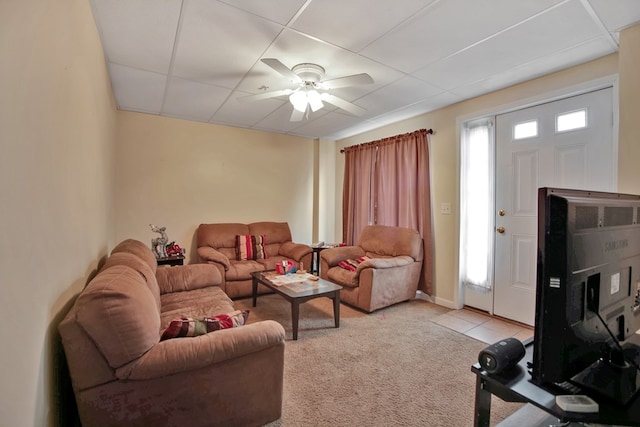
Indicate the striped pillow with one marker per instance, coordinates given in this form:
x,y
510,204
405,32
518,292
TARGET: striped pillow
x,y
186,327
250,247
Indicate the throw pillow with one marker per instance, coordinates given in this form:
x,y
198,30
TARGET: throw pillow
x,y
250,247
352,264
186,327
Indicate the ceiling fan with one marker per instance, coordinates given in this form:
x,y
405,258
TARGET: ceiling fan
x,y
311,89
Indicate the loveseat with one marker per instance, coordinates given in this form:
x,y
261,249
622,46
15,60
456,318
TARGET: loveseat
x,y
123,374
382,269
218,245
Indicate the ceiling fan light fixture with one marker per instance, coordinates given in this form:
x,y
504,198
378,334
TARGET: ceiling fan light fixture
x,y
299,101
314,99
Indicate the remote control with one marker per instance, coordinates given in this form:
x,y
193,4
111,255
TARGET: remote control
x,y
577,403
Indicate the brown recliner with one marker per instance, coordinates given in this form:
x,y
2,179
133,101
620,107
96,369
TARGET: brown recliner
x,y
390,274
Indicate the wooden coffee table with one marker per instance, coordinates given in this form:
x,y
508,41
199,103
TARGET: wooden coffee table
x,y
297,293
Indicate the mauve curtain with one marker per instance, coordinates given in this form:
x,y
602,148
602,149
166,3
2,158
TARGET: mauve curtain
x,y
357,192
399,186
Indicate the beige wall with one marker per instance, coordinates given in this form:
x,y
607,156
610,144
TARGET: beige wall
x,y
629,132
445,156
57,126
179,174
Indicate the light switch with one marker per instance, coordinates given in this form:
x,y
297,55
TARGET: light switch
x,y
445,208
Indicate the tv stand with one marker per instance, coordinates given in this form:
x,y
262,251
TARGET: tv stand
x,y
612,377
516,386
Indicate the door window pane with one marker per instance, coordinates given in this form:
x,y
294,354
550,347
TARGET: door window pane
x,y
571,120
525,130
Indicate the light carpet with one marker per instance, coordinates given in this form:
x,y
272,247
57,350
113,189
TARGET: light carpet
x,y
391,367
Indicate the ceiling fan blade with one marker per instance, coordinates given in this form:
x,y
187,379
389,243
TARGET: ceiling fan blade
x,y
282,69
297,115
354,80
341,103
265,95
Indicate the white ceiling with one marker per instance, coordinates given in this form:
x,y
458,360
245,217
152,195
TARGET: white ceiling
x,y
193,59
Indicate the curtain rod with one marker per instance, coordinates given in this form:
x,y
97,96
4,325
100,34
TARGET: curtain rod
x,y
429,132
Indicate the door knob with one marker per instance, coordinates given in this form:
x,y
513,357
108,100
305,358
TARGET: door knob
x,y
500,230
501,212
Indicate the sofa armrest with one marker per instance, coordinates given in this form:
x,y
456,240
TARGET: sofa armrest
x,y
185,354
333,256
382,263
208,254
188,277
295,251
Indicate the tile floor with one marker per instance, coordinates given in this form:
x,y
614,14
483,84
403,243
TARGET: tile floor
x,y
482,326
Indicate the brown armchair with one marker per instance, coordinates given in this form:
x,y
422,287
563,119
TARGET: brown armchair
x,y
389,274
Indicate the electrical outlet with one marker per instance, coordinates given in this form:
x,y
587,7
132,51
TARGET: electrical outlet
x,y
445,208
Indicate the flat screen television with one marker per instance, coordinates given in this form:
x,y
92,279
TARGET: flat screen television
x,y
588,276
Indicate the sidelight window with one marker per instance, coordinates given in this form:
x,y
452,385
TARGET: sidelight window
x,y
476,204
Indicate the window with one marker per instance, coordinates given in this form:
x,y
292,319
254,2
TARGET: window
x,y
476,204
525,130
571,121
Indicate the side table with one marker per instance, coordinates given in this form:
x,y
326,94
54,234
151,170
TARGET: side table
x,y
171,260
315,259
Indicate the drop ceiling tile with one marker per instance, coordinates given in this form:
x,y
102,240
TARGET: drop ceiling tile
x,y
328,123
278,120
357,128
431,103
359,22
138,34
536,68
447,27
518,45
280,11
238,113
220,51
468,47
407,90
137,90
617,15
192,100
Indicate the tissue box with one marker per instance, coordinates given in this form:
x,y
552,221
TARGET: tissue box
x,y
286,267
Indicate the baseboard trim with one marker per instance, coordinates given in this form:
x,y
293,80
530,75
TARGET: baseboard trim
x,y
439,301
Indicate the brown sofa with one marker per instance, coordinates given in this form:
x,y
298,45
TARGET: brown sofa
x,y
217,246
391,274
123,375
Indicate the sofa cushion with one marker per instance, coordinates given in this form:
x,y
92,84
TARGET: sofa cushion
x,y
342,277
250,247
196,304
276,234
241,270
187,327
139,265
119,313
139,249
383,240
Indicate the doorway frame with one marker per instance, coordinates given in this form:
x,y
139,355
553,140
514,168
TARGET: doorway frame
x,y
491,112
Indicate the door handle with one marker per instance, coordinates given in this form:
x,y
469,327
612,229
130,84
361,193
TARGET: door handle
x,y
500,230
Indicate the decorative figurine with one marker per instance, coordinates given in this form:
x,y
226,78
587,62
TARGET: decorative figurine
x,y
159,244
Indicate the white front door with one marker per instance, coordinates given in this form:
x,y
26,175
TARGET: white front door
x,y
534,149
